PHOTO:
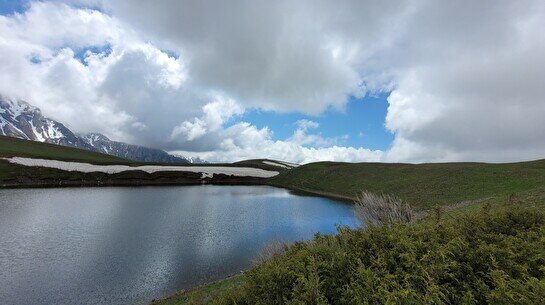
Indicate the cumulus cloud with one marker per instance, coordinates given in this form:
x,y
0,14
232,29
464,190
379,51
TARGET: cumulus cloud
x,y
302,136
84,68
245,141
464,78
266,54
215,114
478,94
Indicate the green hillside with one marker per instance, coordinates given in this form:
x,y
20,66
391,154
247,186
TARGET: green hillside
x,y
422,185
10,147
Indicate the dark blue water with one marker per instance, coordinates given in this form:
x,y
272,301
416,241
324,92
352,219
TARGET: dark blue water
x,y
127,245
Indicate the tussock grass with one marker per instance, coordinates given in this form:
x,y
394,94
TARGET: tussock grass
x,y
371,209
272,250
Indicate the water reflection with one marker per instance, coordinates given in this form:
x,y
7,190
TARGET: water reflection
x,y
130,245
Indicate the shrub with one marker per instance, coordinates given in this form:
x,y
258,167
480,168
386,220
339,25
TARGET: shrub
x,y
491,257
382,209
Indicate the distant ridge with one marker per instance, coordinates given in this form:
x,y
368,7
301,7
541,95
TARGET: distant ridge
x,y
19,119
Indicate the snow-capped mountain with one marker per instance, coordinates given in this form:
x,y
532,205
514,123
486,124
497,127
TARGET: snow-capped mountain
x,y
132,152
21,120
195,160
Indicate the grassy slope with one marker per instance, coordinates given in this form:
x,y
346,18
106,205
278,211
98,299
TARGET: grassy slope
x,y
10,147
422,185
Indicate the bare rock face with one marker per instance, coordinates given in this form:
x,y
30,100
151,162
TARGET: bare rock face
x,y
19,119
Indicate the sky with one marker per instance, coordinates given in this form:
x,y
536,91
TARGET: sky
x,y
301,81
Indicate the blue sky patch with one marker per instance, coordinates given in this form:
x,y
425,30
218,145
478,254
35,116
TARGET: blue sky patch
x,y
80,54
9,7
363,122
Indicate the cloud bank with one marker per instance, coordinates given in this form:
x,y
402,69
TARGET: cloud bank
x,y
464,78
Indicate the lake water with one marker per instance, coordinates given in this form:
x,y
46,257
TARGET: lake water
x,y
123,245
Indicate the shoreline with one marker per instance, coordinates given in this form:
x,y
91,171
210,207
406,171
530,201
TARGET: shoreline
x,y
128,183
248,181
315,193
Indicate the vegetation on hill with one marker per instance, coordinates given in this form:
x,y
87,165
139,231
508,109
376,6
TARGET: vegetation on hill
x,y
421,185
10,147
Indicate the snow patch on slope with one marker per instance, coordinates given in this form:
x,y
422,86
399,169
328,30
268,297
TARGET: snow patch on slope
x,y
37,134
290,164
17,108
276,164
283,164
2,123
206,171
52,131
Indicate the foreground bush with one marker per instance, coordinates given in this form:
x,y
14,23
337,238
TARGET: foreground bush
x,y
493,257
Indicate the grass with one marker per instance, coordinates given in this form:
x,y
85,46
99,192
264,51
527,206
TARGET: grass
x,y
422,185
10,147
203,294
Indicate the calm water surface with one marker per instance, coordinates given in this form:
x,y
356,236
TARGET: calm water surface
x,y
130,245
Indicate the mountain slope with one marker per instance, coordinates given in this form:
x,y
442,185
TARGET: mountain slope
x,y
132,152
21,120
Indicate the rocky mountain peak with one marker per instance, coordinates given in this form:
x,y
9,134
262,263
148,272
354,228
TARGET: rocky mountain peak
x,y
20,119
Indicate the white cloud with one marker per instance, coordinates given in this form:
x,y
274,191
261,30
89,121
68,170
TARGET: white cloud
x,y
466,77
305,124
132,91
242,141
264,54
215,114
476,95
54,25
302,136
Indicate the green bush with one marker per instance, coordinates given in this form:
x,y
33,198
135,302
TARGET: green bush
x,y
491,257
